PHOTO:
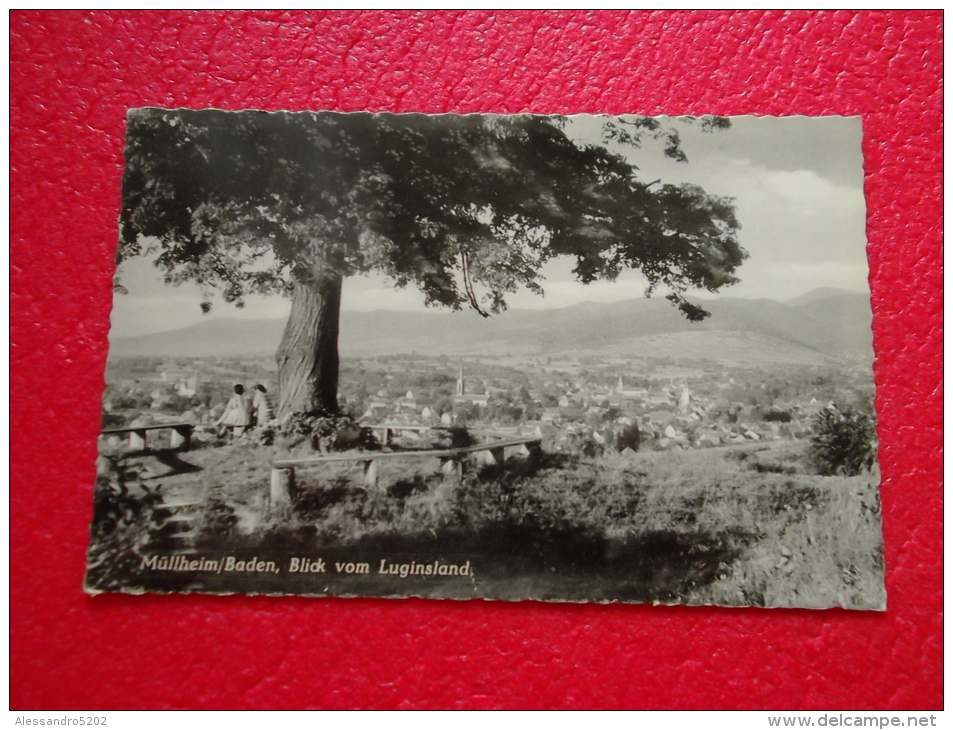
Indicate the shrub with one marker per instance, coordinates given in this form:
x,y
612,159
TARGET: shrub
x,y
264,436
220,520
113,420
124,526
843,442
629,438
324,433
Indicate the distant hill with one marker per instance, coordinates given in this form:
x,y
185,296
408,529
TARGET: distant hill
x,y
846,319
223,336
816,295
819,326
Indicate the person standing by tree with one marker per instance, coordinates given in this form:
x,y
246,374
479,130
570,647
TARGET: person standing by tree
x,y
237,415
261,406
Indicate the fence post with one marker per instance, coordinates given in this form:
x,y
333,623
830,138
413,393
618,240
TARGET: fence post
x,y
536,452
282,484
137,440
452,470
181,438
370,473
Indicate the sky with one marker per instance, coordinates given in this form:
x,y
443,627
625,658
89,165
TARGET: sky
x,y
797,183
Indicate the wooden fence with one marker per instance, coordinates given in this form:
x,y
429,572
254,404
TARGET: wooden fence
x,y
180,439
452,462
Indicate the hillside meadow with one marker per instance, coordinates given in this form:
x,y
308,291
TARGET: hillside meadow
x,y
732,526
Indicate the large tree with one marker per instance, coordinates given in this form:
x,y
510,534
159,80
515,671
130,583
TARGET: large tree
x,y
467,208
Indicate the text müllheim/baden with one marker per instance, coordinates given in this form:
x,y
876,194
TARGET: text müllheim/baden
x,y
231,564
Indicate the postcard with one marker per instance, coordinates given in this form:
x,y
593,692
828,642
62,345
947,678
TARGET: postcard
x,y
525,357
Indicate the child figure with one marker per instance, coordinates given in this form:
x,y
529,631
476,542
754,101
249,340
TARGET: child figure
x,y
237,415
261,406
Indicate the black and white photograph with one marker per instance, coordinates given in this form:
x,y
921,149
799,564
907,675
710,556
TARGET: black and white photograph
x,y
515,357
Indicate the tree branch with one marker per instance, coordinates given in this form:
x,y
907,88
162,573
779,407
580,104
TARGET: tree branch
x,y
468,286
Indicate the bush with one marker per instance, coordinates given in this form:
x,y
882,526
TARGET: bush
x,y
113,420
220,520
629,438
843,442
264,436
324,433
124,527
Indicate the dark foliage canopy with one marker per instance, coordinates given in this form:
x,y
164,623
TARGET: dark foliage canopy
x,y
467,208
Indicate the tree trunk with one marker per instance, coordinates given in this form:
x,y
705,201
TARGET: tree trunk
x,y
308,354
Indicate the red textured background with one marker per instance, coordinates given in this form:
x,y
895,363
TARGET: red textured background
x,y
72,77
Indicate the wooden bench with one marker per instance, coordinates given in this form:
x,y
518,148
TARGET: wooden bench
x,y
451,462
383,431
180,438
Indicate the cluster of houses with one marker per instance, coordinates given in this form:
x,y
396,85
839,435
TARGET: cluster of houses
x,y
668,417
408,407
564,410
174,394
157,395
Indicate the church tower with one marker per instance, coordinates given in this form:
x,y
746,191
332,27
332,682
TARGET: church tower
x,y
461,383
684,399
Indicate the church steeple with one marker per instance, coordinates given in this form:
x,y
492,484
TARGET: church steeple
x,y
461,382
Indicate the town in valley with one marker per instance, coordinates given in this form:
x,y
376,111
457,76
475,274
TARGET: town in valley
x,y
572,402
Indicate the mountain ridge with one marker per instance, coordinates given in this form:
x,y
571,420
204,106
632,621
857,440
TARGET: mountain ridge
x,y
831,324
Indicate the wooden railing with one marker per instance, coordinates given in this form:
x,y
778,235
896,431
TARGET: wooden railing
x,y
180,439
383,431
452,463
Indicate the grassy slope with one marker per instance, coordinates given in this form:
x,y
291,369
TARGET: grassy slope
x,y
817,540
742,526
